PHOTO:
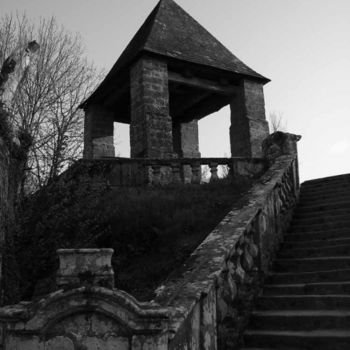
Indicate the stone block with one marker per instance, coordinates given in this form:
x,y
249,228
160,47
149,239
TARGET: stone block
x,y
85,266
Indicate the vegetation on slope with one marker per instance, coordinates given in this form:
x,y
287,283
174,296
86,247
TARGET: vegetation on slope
x,y
152,230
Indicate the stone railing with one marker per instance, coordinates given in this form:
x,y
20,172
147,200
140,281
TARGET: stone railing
x,y
137,172
218,284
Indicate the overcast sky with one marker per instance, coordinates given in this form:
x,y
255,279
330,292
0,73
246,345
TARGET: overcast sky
x,y
303,46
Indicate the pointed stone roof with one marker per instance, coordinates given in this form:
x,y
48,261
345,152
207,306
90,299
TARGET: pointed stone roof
x,y
171,32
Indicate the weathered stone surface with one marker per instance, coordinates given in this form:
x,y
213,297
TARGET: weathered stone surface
x,y
98,132
233,260
85,266
151,125
280,143
248,125
90,318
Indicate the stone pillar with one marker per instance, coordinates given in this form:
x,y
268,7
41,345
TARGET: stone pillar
x,y
151,125
186,145
185,139
98,132
248,124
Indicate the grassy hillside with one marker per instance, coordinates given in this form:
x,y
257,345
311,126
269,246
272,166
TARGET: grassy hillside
x,y
152,230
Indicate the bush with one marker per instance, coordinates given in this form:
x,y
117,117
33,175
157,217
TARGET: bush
x,y
151,229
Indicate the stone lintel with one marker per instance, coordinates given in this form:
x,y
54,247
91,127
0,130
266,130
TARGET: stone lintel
x,y
203,84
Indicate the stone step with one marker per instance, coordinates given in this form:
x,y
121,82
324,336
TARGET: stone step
x,y
300,214
326,181
320,226
328,250
299,236
320,219
333,196
304,302
312,264
335,202
316,243
310,277
338,187
308,288
300,320
306,340
310,208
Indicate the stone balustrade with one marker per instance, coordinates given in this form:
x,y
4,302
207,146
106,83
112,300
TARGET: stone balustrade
x,y
220,281
138,172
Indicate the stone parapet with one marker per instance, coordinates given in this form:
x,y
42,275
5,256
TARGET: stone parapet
x,y
215,291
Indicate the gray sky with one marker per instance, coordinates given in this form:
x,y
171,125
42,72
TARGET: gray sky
x,y
303,46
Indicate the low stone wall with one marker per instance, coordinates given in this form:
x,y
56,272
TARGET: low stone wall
x,y
205,305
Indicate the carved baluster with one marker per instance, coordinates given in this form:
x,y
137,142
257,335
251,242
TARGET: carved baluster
x,y
175,168
156,174
196,173
214,172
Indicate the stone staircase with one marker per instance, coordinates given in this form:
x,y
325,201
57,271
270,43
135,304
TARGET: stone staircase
x,y
306,301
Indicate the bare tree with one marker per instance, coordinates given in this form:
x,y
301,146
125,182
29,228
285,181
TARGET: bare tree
x,y
46,102
277,122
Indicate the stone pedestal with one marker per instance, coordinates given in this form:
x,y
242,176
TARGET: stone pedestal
x,y
186,144
98,133
151,125
85,266
249,127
